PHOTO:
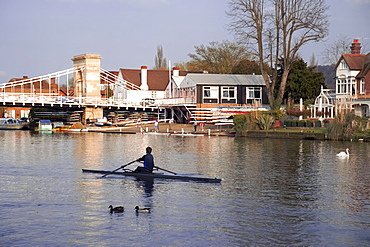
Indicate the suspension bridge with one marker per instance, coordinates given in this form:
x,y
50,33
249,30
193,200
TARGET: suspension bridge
x,y
89,90
49,90
86,86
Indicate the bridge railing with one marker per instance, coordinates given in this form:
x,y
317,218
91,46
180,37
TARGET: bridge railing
x,y
8,98
55,99
175,101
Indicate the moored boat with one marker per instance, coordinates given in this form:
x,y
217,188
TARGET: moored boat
x,y
103,122
12,124
156,133
45,125
157,175
186,134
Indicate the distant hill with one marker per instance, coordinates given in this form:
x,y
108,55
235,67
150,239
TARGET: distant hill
x,y
329,74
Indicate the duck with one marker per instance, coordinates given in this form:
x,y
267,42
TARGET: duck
x,y
142,210
118,209
344,154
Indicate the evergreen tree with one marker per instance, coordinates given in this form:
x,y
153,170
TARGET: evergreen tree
x,y
303,82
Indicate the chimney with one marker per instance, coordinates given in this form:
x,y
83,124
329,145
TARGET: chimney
x,y
355,47
144,78
176,72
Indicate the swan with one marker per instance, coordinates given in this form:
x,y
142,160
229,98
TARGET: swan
x,y
118,209
344,154
142,210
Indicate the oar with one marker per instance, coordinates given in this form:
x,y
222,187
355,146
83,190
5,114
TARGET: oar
x,y
119,168
165,170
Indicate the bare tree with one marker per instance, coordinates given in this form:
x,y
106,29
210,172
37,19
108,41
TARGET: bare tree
x,y
160,60
275,30
220,58
334,51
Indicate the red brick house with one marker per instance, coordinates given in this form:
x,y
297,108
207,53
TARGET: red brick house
x,y
353,79
352,86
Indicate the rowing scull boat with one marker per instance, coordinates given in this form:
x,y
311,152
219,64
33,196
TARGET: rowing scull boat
x,y
157,175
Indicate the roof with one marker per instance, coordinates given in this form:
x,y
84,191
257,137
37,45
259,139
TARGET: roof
x,y
227,79
366,67
354,61
178,80
157,79
45,121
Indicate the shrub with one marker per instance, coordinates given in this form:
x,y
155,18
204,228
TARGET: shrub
x,y
265,121
240,123
297,113
344,126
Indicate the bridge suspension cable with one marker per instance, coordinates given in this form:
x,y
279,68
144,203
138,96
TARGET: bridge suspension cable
x,y
117,81
48,85
58,88
40,78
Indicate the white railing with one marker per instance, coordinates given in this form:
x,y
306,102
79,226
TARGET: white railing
x,y
54,99
32,91
112,79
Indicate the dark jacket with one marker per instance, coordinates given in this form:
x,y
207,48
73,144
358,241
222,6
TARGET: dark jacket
x,y
148,161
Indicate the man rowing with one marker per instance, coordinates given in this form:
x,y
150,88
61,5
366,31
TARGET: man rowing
x,y
148,161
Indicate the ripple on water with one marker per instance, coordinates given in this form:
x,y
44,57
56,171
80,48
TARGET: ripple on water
x,y
274,192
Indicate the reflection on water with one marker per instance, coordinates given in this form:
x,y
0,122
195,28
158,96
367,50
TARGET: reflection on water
x,y
274,191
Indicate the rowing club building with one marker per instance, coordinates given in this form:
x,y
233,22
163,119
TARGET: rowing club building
x,y
183,92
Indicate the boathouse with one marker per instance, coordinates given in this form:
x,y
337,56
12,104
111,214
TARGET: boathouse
x,y
223,90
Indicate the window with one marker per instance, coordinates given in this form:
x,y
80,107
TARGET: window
x,y
210,94
346,85
343,65
207,92
254,93
362,86
353,87
154,94
228,94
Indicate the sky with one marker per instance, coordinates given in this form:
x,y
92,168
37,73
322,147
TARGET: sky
x,y
41,36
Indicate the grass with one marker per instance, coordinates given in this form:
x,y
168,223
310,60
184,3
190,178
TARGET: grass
x,y
313,130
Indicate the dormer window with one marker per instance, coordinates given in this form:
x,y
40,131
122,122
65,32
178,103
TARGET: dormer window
x,y
343,64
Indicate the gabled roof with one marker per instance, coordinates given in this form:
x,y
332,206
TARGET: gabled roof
x,y
354,61
178,80
366,67
157,79
227,79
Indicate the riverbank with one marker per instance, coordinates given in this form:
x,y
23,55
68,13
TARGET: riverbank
x,y
214,130
210,130
306,135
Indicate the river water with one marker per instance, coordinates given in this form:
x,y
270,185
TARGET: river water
x,y
274,192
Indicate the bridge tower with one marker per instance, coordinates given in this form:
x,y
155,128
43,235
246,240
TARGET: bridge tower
x,y
87,82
